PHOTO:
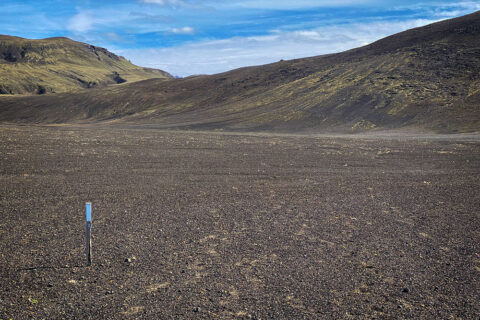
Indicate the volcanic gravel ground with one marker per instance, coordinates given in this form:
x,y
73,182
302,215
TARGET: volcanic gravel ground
x,y
249,226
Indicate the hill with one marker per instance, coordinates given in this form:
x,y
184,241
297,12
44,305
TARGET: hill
x,y
61,65
427,78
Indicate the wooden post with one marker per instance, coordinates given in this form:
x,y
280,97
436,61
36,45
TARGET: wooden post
x,y
88,240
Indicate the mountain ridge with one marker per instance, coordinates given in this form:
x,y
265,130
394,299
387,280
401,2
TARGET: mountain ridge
x,y
428,78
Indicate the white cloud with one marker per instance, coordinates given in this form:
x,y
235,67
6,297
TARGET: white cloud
x,y
289,4
455,10
216,56
164,2
184,30
112,36
81,22
443,10
256,4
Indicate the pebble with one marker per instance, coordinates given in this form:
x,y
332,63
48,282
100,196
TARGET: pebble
x,y
196,309
129,260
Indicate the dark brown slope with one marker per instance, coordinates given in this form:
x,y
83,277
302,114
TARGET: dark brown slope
x,y
427,77
62,65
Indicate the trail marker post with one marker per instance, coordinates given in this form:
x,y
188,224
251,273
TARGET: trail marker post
x,y
88,240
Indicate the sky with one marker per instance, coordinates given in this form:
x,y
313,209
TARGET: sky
x,y
188,37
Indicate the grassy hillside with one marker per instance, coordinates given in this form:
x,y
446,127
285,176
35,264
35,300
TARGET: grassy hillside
x,y
60,65
428,78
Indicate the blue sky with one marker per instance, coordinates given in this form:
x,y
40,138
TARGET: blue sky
x,y
187,37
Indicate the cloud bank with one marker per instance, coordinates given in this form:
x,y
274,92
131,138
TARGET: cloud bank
x,y
216,56
208,36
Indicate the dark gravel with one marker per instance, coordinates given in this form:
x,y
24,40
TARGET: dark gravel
x,y
197,225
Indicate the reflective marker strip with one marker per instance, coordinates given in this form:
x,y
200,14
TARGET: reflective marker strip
x,y
88,207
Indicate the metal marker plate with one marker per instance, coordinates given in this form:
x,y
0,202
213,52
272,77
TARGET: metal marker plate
x,y
88,207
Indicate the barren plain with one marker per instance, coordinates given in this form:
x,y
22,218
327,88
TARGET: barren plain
x,y
248,226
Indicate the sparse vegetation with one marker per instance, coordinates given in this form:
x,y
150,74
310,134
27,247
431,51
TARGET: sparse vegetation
x,y
427,78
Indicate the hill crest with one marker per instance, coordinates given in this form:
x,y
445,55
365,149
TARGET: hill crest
x,y
60,64
427,78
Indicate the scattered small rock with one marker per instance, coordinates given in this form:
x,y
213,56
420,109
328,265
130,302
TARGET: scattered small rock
x,y
50,285
405,290
196,309
130,260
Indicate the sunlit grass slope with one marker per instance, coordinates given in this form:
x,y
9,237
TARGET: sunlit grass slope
x,y
60,65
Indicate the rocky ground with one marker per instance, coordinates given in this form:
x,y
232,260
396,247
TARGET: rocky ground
x,y
198,225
